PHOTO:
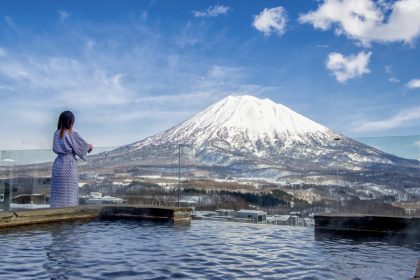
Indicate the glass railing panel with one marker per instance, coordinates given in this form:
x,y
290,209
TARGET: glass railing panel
x,y
25,177
153,177
24,186
399,194
173,175
6,188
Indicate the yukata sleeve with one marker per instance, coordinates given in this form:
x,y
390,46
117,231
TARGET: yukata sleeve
x,y
79,145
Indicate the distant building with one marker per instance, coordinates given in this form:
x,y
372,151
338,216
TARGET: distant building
x,y
97,198
255,216
31,199
226,212
200,174
87,176
297,214
279,220
297,221
290,220
95,194
3,205
410,211
309,222
244,216
5,190
190,204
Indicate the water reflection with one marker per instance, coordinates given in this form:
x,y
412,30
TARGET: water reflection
x,y
62,251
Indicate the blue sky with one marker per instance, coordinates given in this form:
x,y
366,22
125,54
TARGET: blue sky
x,y
129,69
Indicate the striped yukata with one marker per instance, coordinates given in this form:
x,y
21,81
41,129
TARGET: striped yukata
x,y
64,179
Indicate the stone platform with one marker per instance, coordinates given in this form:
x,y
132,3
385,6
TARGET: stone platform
x,y
417,273
396,230
368,223
89,212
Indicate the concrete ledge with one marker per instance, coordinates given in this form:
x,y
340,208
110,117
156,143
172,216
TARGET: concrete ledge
x,y
145,212
368,223
417,274
39,216
30,217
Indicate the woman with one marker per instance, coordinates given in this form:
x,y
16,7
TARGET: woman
x,y
67,145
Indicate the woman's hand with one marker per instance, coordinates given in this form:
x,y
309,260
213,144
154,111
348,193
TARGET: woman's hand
x,y
90,148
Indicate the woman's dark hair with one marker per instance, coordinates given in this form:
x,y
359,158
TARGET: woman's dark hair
x,y
65,122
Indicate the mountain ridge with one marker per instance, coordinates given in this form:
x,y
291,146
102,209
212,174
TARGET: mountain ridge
x,y
245,136
232,123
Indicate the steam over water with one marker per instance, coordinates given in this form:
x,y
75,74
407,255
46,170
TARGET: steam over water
x,y
202,250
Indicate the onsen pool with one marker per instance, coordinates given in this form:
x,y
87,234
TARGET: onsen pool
x,y
201,250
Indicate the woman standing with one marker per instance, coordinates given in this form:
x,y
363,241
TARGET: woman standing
x,y
67,145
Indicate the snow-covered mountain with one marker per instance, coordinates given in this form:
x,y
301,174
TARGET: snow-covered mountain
x,y
261,130
252,137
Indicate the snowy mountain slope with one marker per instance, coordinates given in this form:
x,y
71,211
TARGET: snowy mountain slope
x,y
253,137
245,127
255,141
241,115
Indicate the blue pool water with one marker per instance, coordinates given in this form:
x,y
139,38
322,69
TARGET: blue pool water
x,y
202,250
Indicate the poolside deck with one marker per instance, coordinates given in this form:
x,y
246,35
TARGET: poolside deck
x,y
89,212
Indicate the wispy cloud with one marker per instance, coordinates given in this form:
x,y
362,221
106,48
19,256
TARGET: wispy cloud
x,y
11,23
212,11
271,21
368,21
413,84
390,73
63,15
190,35
348,67
90,44
3,52
405,117
89,82
7,88
148,81
322,46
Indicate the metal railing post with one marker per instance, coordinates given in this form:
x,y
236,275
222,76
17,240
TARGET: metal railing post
x,y
7,196
179,173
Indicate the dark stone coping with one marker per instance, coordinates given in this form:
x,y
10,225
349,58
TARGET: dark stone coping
x,y
368,223
86,212
417,274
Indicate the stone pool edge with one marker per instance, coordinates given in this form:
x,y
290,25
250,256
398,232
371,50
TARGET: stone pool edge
x,y
417,273
365,223
15,218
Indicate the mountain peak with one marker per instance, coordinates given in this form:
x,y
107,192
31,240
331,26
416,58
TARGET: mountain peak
x,y
247,99
256,116
238,119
